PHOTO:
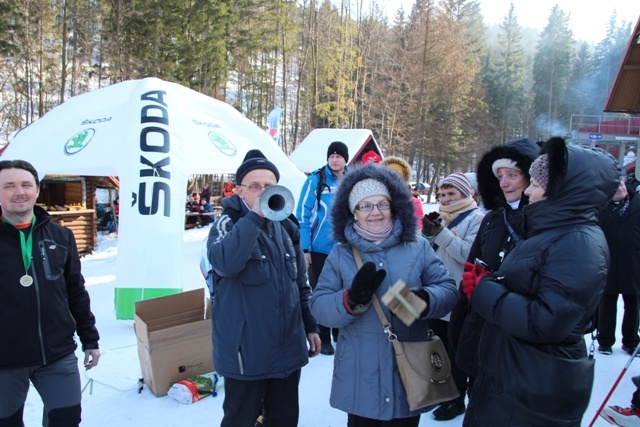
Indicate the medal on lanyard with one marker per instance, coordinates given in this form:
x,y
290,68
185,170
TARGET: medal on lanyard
x,y
26,246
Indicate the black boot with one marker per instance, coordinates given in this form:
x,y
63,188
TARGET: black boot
x,y
327,349
450,409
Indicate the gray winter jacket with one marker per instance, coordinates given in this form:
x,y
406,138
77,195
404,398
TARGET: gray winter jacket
x,y
366,381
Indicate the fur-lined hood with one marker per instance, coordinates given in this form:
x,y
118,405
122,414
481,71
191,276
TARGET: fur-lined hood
x,y
401,204
522,151
581,181
401,163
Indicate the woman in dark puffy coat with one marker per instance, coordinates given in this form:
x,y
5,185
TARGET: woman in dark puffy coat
x,y
503,175
534,369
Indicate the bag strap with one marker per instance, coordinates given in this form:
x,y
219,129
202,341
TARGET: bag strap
x,y
376,304
455,222
320,186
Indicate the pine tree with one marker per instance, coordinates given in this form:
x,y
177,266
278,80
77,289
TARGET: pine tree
x,y
505,78
551,71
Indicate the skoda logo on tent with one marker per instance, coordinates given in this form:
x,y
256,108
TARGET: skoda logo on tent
x,y
79,141
223,144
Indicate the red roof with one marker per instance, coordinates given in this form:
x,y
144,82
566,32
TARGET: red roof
x,y
625,92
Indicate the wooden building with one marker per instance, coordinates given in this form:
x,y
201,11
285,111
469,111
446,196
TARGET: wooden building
x,y
71,202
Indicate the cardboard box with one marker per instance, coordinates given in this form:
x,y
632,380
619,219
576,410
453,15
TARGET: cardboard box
x,y
174,338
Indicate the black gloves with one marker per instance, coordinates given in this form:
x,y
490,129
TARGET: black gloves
x,y
423,295
431,225
365,283
433,216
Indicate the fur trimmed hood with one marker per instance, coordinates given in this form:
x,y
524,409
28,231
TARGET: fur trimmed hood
x,y
401,205
400,163
522,151
581,181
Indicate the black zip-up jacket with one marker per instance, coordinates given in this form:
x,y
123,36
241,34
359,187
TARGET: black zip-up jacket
x,y
38,322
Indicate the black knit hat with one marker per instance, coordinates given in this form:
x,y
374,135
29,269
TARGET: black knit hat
x,y
339,148
252,161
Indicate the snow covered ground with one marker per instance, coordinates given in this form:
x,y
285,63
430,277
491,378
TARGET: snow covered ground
x,y
113,399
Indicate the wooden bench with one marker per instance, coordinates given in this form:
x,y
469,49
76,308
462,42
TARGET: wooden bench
x,y
188,225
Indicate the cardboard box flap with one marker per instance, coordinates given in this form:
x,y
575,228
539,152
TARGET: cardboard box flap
x,y
171,304
193,315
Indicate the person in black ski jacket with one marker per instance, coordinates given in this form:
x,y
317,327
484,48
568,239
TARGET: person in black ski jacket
x,y
43,305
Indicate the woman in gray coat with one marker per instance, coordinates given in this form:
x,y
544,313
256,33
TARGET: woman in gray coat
x,y
372,212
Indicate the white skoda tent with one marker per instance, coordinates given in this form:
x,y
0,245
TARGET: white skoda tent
x,y
152,135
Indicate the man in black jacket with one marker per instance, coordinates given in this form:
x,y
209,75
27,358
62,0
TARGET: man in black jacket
x,y
620,221
43,303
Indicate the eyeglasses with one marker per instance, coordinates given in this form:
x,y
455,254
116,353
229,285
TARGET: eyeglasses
x,y
254,188
368,207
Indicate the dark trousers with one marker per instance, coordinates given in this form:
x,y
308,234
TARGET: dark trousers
x,y
607,320
57,383
460,378
356,421
276,397
317,263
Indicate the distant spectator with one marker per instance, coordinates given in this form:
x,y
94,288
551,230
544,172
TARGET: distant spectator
x,y
400,166
620,222
371,157
192,207
206,193
228,189
313,214
205,207
100,210
473,180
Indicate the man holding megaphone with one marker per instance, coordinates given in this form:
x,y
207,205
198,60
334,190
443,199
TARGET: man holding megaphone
x,y
261,300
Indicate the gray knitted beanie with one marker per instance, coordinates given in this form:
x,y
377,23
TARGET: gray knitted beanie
x,y
539,170
366,188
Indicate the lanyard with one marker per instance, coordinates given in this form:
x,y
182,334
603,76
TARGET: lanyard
x,y
26,244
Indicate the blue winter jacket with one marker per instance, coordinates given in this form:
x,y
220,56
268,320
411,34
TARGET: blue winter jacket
x,y
366,381
314,218
260,312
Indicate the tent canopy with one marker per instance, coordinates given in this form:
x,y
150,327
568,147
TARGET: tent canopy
x,y
152,135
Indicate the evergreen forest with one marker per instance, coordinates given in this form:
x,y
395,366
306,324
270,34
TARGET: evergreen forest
x,y
434,83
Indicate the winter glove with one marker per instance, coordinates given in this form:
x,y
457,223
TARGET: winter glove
x,y
472,275
365,284
433,216
423,295
407,304
431,228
